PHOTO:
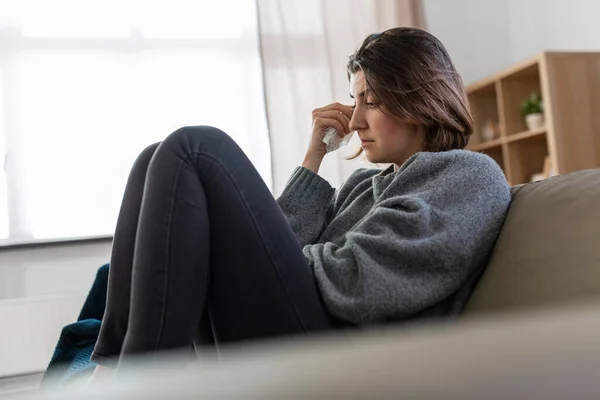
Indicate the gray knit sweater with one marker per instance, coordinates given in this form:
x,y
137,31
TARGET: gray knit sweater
x,y
405,245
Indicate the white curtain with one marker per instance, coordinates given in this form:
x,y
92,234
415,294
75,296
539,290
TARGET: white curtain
x,y
305,46
85,85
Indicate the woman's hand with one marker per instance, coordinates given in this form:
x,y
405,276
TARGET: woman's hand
x,y
336,116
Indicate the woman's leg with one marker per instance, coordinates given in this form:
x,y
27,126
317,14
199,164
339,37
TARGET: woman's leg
x,y
211,236
95,302
116,314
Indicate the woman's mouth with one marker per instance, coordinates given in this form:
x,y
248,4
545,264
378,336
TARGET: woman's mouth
x,y
366,142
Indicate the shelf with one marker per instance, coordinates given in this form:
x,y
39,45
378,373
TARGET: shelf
x,y
526,134
485,87
568,83
484,107
526,155
514,89
485,145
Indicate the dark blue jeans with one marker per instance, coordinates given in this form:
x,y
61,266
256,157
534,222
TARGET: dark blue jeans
x,y
202,251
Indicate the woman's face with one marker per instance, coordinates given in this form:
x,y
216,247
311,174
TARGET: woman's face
x,y
383,138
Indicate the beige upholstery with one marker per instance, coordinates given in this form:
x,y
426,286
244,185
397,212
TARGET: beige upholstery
x,y
548,252
501,359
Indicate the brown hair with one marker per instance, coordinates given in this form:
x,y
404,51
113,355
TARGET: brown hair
x,y
409,74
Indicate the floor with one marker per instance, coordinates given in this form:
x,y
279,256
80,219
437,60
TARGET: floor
x,y
41,290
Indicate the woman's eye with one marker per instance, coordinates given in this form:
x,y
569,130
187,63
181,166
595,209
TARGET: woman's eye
x,y
353,106
370,105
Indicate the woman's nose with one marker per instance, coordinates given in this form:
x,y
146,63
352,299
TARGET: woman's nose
x,y
357,122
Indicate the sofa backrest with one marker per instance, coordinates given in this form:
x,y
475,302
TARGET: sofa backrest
x,y
548,252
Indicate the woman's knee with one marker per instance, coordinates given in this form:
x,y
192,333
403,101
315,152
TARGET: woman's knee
x,y
145,156
196,138
102,272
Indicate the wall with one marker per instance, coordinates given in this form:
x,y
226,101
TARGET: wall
x,y
485,36
475,33
41,290
538,25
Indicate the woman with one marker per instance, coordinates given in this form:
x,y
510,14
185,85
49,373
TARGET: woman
x,y
202,248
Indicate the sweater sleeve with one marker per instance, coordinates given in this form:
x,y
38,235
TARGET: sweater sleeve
x,y
305,202
412,251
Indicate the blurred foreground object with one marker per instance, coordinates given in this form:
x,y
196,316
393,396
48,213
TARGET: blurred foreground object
x,y
546,356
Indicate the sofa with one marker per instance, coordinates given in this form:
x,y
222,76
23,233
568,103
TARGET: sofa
x,y
530,330
548,252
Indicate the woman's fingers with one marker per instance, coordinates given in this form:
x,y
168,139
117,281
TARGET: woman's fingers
x,y
344,109
335,115
325,123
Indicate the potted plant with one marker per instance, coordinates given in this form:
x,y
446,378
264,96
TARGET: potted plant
x,y
533,111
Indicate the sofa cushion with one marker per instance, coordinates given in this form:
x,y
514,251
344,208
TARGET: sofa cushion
x,y
548,252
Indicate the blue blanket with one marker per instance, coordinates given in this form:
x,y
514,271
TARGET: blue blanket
x,y
71,358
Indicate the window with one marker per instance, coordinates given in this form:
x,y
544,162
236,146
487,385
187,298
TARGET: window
x,y
86,85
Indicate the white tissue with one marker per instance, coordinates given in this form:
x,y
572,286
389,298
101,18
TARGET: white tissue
x,y
333,141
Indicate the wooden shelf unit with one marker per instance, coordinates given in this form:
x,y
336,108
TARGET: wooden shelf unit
x,y
569,83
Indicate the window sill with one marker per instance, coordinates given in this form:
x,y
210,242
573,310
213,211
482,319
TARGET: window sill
x,y
35,243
